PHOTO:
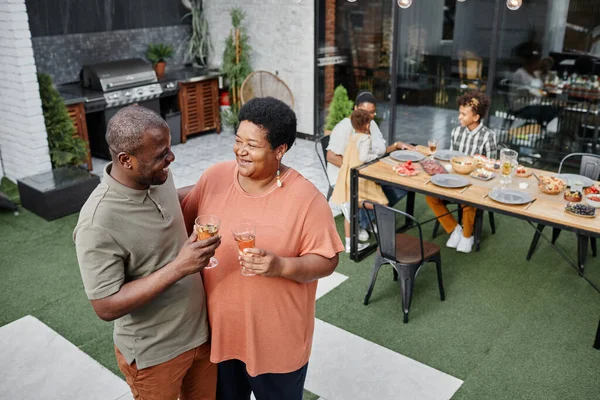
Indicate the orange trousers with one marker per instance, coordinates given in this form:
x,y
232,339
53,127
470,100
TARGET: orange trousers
x,y
189,376
448,221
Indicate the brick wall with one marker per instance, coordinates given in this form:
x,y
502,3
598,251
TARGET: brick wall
x,y
282,36
23,138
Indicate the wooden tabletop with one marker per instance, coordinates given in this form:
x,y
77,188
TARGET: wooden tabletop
x,y
546,209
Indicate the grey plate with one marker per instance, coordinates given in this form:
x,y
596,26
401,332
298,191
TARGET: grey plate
x,y
451,181
511,196
446,155
407,155
573,179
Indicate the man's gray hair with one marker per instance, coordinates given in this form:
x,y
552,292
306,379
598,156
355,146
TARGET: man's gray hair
x,y
126,128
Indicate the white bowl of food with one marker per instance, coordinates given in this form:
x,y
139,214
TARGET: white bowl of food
x,y
593,200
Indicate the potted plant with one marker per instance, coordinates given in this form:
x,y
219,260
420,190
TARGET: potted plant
x,y
236,65
158,55
198,46
341,107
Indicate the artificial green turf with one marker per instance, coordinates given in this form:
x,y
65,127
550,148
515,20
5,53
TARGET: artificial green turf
x,y
509,328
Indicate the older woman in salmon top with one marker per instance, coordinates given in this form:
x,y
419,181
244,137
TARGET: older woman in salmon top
x,y
262,321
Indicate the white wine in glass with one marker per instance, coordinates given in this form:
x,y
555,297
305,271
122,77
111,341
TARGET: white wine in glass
x,y
207,226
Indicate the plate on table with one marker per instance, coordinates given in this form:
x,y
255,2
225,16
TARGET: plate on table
x,y
407,155
451,181
511,196
446,155
483,174
580,210
576,180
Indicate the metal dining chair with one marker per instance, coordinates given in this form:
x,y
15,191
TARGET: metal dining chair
x,y
589,167
405,253
321,149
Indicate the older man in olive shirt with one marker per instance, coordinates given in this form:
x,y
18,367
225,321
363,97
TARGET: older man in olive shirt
x,y
140,269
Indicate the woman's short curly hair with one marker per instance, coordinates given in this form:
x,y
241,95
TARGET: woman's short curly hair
x,y
479,102
360,119
274,116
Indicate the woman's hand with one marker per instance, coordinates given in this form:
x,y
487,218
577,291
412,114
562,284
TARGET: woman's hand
x,y
261,262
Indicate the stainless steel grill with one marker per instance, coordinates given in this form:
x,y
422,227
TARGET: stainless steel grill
x,y
123,82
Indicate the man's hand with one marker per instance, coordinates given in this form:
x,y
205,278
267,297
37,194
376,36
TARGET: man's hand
x,y
195,255
261,262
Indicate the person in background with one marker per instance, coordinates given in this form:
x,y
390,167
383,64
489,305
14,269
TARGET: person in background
x,y
262,325
358,151
338,142
470,138
140,269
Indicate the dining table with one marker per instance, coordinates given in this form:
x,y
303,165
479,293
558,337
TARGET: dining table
x,y
545,209
542,209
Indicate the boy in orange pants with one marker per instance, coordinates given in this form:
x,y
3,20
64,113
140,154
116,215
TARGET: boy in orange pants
x,y
470,138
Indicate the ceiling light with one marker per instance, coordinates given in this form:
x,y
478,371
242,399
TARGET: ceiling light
x,y
514,4
405,3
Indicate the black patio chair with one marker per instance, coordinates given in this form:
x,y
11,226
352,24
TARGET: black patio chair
x,y
406,254
321,149
589,167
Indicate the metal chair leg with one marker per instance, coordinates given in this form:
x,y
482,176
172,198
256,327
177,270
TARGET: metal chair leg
x,y
376,266
407,283
492,222
436,228
329,193
438,265
536,239
395,274
597,341
555,234
478,229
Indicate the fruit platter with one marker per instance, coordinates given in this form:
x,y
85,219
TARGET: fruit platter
x,y
523,172
406,169
581,210
591,190
433,167
483,174
573,196
551,184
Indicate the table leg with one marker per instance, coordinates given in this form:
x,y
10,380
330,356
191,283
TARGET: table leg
x,y
582,245
354,214
597,341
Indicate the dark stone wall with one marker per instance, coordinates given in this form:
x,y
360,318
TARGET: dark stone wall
x,y
63,56
68,34
63,17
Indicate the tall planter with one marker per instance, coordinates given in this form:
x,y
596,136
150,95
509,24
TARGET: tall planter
x,y
236,64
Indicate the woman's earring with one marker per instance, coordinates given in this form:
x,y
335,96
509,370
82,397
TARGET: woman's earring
x,y
279,184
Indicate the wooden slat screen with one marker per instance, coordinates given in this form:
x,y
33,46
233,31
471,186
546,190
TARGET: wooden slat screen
x,y
77,114
199,105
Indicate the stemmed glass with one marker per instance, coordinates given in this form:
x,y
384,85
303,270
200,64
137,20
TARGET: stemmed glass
x,y
207,226
245,235
432,143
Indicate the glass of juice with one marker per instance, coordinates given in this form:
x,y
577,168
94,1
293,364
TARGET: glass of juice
x,y
432,143
245,235
207,226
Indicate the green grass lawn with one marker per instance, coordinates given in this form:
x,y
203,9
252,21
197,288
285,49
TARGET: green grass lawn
x,y
510,329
